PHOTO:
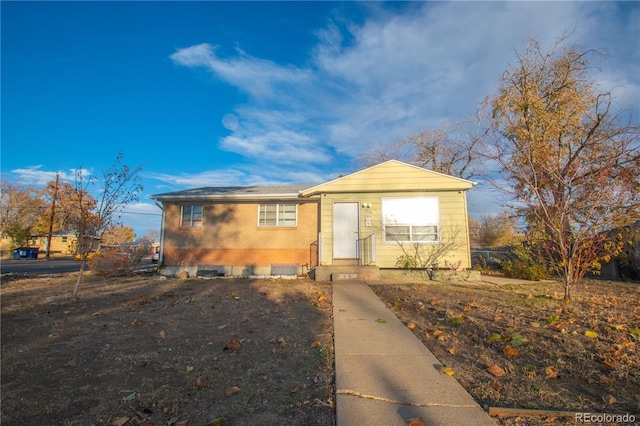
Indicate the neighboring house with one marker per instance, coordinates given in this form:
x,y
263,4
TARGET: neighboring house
x,y
63,242
362,220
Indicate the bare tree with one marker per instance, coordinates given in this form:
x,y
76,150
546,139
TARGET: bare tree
x,y
569,161
427,256
449,149
119,186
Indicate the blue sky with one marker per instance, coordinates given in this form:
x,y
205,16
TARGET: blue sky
x,y
261,93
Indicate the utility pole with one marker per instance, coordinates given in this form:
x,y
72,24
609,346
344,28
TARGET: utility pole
x,y
53,212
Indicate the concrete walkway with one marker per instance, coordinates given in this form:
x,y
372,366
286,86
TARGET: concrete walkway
x,y
384,375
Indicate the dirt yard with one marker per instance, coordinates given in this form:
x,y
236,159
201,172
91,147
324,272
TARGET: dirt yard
x,y
146,351
520,346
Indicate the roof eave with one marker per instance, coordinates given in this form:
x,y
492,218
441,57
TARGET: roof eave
x,y
217,197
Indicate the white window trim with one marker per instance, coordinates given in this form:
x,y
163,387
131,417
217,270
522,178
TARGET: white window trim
x,y
190,224
411,222
277,224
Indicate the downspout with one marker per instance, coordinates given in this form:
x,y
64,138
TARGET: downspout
x,y
160,206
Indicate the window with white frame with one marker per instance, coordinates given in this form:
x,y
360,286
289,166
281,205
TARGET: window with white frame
x,y
411,220
277,215
191,216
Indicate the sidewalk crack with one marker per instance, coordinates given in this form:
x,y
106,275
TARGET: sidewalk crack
x,y
411,404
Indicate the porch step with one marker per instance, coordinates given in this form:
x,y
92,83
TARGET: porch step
x,y
346,272
344,277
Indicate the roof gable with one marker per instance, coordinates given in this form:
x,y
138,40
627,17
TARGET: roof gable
x,y
391,176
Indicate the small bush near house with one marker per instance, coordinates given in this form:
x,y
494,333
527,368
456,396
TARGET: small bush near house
x,y
112,264
520,263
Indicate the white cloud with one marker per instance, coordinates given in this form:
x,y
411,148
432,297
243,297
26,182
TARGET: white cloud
x,y
258,77
399,71
267,173
227,177
35,176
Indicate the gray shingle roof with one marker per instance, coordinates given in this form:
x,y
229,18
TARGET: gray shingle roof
x,y
233,192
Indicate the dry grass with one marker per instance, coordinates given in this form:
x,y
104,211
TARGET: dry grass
x,y
542,344
145,351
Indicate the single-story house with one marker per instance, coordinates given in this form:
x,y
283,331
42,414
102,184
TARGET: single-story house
x,y
63,242
385,216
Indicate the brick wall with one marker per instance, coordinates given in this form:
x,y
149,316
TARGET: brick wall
x,y
230,235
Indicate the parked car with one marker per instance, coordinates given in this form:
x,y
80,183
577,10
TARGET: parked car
x,y
155,257
87,256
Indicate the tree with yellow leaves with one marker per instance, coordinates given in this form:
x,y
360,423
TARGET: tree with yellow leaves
x,y
569,159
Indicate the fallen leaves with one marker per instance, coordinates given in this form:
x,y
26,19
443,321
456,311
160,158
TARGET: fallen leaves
x,y
591,334
448,371
551,372
495,337
281,340
202,382
509,351
607,380
518,339
496,371
530,352
232,391
233,346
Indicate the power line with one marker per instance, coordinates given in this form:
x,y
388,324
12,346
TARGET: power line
x,y
143,214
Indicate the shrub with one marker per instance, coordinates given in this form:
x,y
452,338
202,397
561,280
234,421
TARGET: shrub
x,y
521,263
111,264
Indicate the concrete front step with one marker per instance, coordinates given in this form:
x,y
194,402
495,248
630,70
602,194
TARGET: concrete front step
x,y
346,272
343,277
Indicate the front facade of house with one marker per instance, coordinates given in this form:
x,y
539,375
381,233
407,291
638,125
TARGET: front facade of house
x,y
371,217
240,231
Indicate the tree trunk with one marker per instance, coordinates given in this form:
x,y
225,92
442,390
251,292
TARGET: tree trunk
x,y
568,288
75,289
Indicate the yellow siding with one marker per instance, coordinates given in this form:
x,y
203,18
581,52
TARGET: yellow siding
x,y
453,224
391,176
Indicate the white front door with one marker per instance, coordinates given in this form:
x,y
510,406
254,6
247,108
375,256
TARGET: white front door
x,y
345,231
